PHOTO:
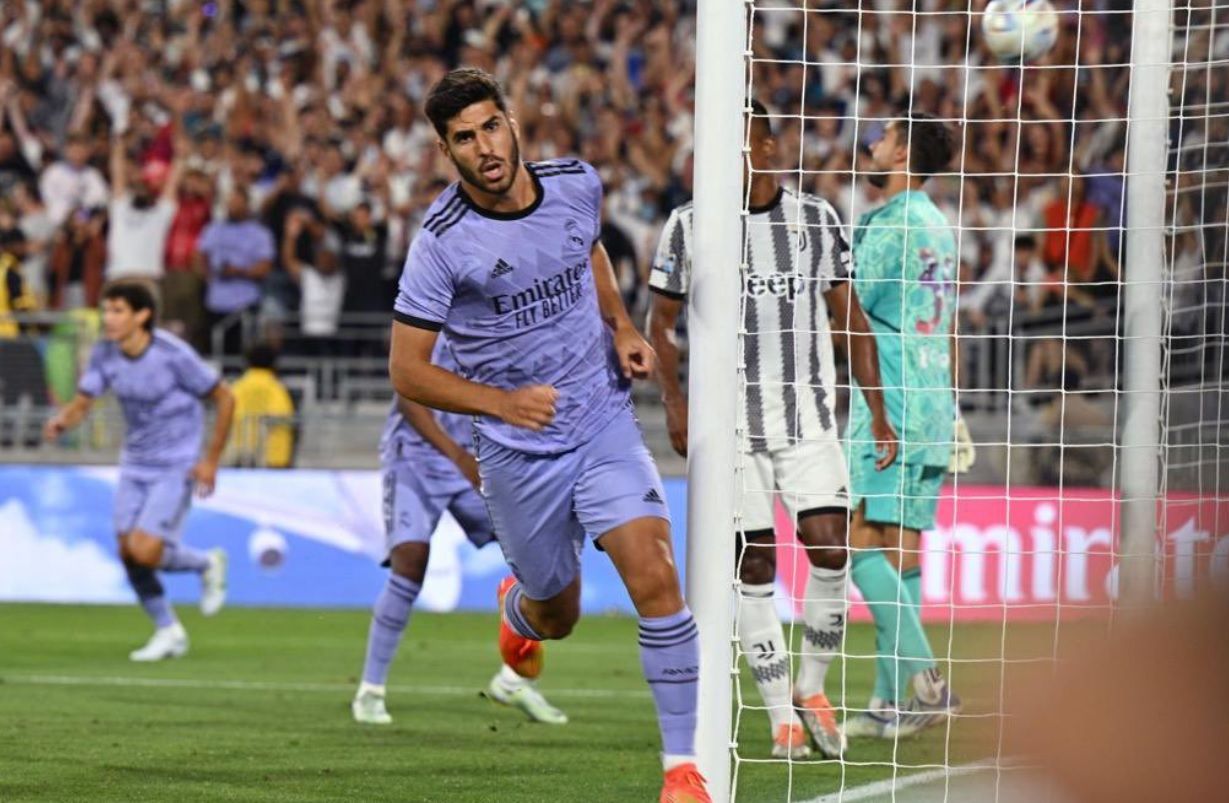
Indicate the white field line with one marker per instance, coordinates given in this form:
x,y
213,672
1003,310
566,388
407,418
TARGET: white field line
x,y
888,785
263,685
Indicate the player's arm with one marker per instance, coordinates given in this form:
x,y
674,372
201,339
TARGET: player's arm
x,y
205,472
635,354
416,378
424,423
68,416
864,365
663,323
119,173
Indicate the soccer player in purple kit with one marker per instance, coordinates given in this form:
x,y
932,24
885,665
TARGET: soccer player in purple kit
x,y
427,471
508,263
159,382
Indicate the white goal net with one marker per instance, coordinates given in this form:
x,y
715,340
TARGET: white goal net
x,y
1087,295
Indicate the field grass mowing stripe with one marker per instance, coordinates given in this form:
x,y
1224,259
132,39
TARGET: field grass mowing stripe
x,y
888,785
262,685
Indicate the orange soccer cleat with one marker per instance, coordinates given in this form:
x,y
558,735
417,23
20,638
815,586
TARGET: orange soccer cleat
x,y
524,656
684,784
791,741
820,719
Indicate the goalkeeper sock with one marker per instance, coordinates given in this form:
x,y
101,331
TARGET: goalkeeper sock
x,y
670,657
767,654
899,638
824,612
912,579
389,618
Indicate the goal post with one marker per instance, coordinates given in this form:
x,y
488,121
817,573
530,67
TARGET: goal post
x,y
1143,285
713,375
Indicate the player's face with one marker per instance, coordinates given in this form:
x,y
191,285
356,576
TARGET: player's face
x,y
885,156
763,147
119,320
483,144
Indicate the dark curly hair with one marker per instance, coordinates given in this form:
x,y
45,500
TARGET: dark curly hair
x,y
456,91
932,143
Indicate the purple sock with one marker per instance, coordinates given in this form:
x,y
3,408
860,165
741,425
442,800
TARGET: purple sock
x,y
150,593
389,618
181,558
670,656
513,615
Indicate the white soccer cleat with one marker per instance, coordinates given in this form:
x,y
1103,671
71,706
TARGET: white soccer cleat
x,y
368,706
870,724
167,642
524,695
213,583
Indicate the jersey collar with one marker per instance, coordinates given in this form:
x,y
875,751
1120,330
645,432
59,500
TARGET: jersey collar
x,y
768,207
538,194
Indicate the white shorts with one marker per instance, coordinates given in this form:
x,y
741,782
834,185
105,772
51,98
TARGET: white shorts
x,y
807,476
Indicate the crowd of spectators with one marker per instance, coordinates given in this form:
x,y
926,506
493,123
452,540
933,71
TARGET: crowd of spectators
x,y
270,157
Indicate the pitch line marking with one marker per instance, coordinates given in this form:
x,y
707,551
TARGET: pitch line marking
x,y
888,785
263,685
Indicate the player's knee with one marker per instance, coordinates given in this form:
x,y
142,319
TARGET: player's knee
x,y
907,560
144,550
410,561
655,590
826,538
555,628
757,567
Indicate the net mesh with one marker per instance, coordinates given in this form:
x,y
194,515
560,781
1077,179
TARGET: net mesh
x,y
1023,555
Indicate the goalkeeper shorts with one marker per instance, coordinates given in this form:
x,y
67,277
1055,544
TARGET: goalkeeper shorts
x,y
905,494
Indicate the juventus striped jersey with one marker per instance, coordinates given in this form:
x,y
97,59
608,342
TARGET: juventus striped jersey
x,y
794,252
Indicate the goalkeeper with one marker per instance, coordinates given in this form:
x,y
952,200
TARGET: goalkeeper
x,y
905,258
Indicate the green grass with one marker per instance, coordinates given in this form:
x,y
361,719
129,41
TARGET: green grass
x,y
259,712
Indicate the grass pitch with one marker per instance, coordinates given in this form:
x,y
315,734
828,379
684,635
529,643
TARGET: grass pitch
x,y
259,711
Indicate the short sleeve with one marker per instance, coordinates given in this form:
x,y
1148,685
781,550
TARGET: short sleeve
x,y
166,212
262,244
205,243
832,262
425,291
93,381
671,272
597,195
192,373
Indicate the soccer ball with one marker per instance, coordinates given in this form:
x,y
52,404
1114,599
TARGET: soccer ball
x,y
267,548
1020,30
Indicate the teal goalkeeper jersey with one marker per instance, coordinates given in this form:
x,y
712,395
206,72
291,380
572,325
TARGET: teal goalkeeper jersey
x,y
905,262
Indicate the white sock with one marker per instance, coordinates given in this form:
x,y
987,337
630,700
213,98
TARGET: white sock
x,y
669,762
824,613
370,688
509,679
766,651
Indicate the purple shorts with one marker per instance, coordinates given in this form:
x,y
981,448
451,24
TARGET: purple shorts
x,y
416,494
543,506
154,503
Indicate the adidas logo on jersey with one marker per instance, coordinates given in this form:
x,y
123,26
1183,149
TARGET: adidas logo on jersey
x,y
653,496
501,269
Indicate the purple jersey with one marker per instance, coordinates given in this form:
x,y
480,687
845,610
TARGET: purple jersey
x,y
515,294
159,393
401,441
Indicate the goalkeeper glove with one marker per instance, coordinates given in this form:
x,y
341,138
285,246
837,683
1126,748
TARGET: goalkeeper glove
x,y
963,452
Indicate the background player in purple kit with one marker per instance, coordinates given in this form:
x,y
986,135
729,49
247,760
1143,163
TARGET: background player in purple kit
x,y
159,382
509,264
427,471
